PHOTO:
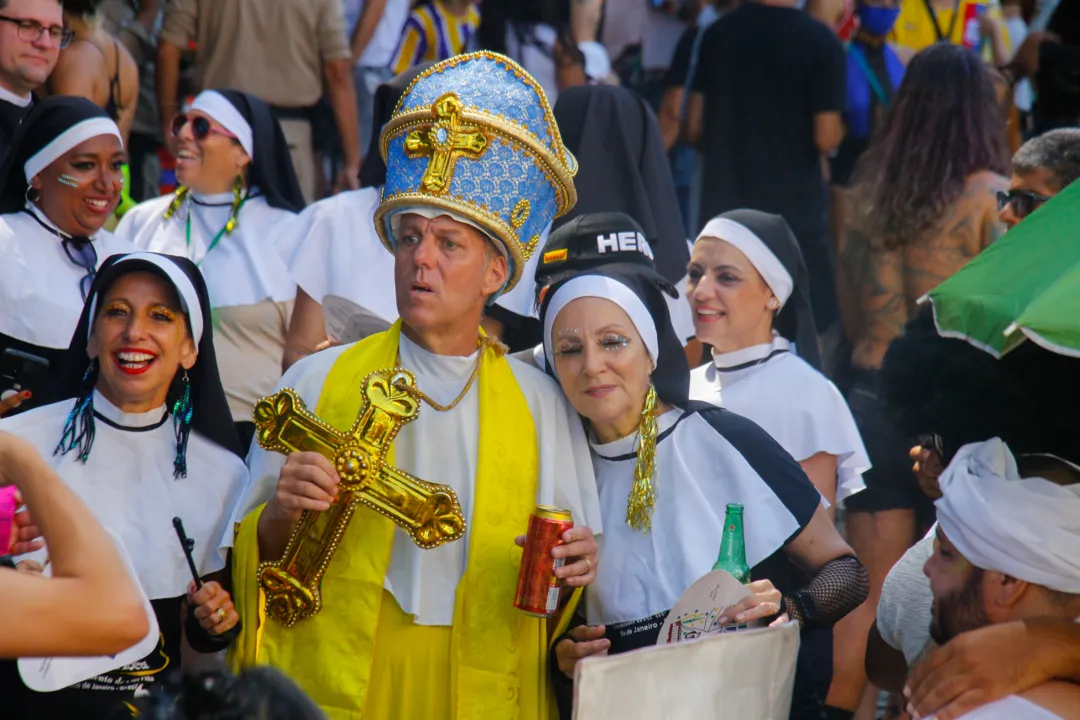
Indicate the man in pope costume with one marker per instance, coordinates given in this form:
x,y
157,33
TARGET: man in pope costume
x,y
377,564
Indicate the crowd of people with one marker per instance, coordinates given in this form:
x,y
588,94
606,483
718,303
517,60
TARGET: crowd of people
x,y
635,260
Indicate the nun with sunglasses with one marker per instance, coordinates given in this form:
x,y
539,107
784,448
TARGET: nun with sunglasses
x,y
237,187
666,468
59,184
146,438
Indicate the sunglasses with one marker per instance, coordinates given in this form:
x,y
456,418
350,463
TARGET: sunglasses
x,y
83,253
1023,202
201,127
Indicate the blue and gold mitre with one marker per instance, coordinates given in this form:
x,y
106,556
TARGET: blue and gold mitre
x,y
475,136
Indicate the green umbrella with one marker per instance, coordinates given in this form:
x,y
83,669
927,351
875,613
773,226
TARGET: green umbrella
x,y
1024,286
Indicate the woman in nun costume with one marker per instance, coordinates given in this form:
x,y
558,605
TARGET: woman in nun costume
x,y
147,439
237,188
59,184
749,292
666,469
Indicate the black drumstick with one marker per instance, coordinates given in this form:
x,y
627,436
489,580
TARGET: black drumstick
x,y
188,544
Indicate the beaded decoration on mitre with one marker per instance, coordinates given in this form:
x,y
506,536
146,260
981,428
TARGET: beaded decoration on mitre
x,y
475,135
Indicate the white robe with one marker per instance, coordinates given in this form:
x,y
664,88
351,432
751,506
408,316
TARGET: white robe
x,y
40,295
791,401
703,462
244,268
128,483
443,448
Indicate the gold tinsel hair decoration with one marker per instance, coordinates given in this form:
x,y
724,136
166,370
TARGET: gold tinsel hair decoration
x,y
639,506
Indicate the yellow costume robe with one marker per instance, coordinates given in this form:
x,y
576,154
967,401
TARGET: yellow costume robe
x,y
361,655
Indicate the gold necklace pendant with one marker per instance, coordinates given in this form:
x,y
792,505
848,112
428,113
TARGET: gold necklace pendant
x,y
482,345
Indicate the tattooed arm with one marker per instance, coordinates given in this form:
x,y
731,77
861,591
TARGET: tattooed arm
x,y
882,303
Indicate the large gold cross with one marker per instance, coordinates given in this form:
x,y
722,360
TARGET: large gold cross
x,y
428,512
444,142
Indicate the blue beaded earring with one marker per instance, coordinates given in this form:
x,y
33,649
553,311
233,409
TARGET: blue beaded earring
x,y
182,412
79,426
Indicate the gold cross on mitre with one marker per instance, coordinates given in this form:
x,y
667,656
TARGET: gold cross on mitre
x,y
444,142
428,512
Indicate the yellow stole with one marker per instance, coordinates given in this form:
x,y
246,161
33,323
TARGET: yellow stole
x,y
499,655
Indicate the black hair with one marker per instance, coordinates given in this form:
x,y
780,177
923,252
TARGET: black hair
x,y
82,8
258,693
934,384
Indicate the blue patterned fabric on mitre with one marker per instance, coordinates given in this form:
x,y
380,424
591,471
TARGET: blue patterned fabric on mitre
x,y
511,174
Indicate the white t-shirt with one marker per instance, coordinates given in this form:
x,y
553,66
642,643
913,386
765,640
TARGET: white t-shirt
x,y
903,611
380,49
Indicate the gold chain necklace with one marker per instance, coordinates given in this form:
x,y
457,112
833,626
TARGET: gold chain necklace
x,y
482,345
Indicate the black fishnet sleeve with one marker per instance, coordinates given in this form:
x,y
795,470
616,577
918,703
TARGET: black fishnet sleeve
x,y
839,587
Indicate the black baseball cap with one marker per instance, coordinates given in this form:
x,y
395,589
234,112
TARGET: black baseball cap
x,y
592,240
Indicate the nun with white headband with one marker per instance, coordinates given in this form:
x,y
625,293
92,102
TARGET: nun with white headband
x,y
666,468
749,293
147,438
59,183
237,187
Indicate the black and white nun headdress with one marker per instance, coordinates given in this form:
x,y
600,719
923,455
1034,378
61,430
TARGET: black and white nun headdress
x,y
53,127
639,291
768,243
259,133
198,404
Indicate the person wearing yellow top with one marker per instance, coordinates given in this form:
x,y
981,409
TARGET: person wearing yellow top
x,y
383,628
436,30
925,22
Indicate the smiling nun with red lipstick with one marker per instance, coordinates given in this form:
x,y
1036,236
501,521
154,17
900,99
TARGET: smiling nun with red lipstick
x,y
58,185
667,467
147,438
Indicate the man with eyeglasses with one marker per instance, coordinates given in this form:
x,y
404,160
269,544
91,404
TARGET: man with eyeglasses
x,y
31,35
1041,168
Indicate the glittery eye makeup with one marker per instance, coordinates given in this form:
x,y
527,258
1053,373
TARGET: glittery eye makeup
x,y
163,312
614,341
563,332
115,307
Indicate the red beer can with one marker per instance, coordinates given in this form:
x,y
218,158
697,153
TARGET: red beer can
x,y
538,589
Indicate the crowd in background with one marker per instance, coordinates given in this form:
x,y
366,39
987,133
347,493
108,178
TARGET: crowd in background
x,y
897,139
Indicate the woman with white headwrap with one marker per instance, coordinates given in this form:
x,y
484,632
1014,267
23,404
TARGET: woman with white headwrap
x,y
59,184
237,186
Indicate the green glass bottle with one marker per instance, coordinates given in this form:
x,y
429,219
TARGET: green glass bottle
x,y
732,547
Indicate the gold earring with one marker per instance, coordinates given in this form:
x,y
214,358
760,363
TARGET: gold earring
x,y
238,202
178,200
639,506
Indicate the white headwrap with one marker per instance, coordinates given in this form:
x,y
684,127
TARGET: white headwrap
x,y
609,289
1026,528
67,140
756,251
189,299
218,107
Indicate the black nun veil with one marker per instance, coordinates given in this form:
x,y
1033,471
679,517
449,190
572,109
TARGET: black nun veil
x,y
623,167
271,170
46,121
210,415
795,321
